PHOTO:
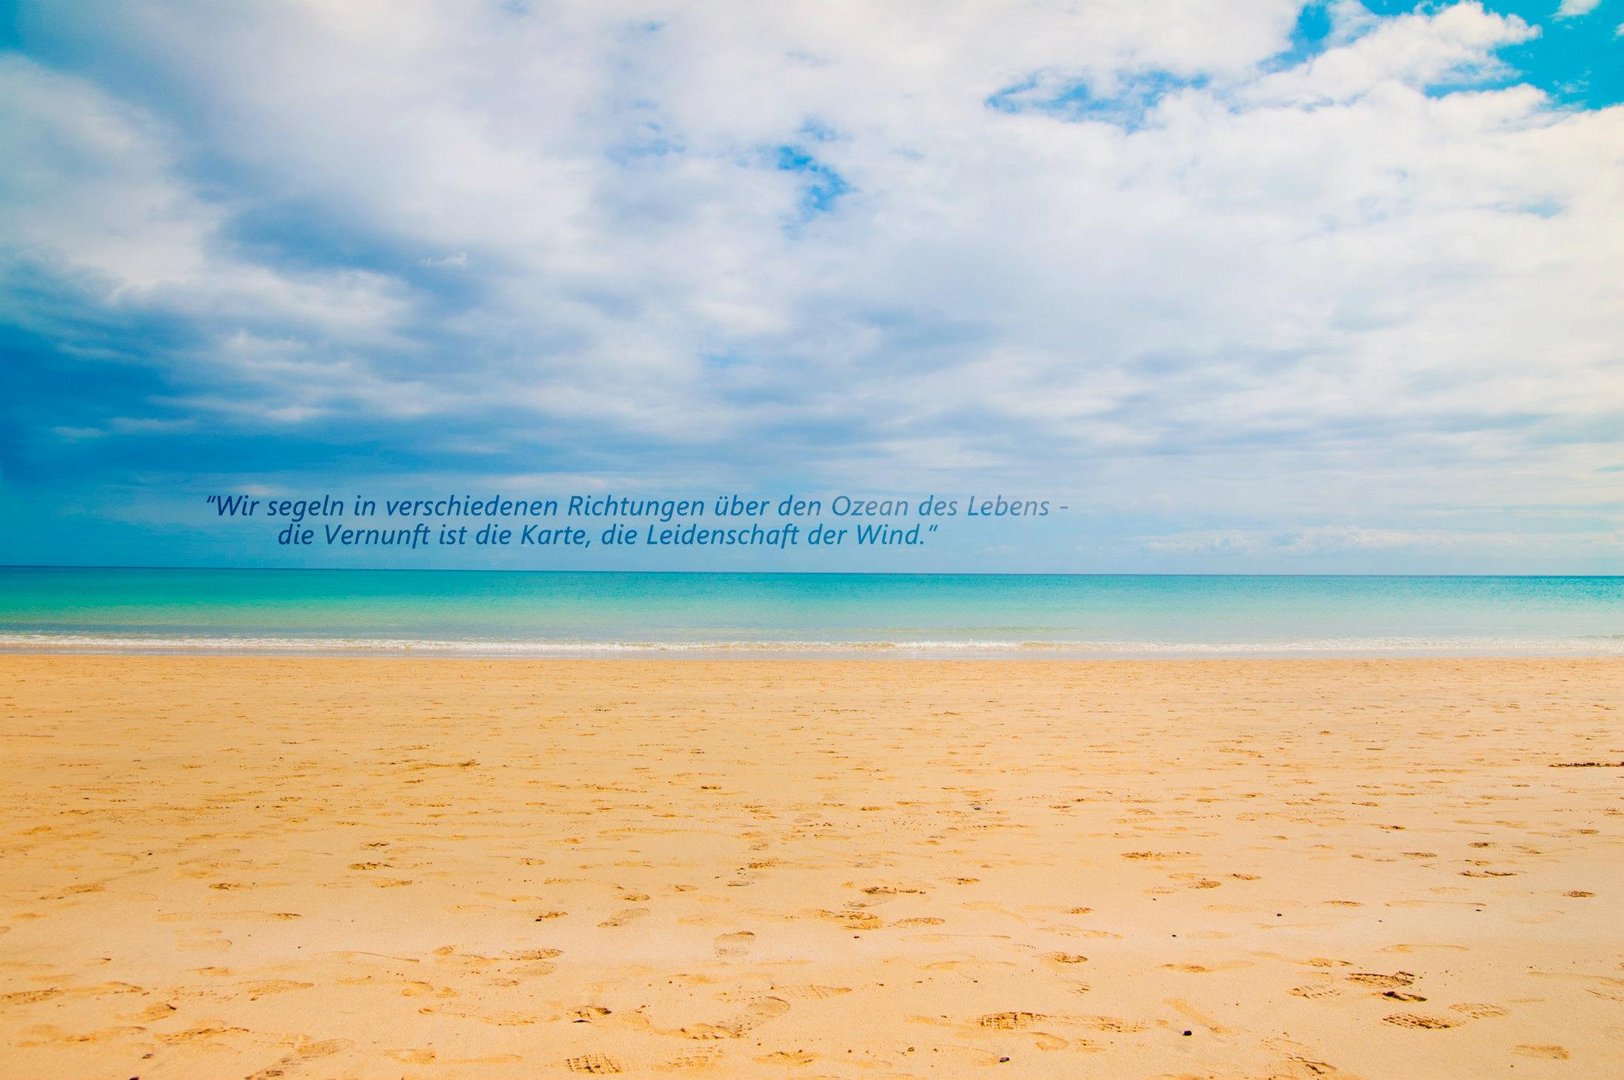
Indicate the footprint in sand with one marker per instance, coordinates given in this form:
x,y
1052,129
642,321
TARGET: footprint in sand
x,y
701,1059
710,1031
597,1064
1314,993
734,944
1420,1020
759,1008
419,988
854,920
1300,1062
621,918
1009,1021
29,997
1374,978
305,1049
760,1004
1112,1024
205,941
787,1057
161,1011
200,1034
812,992
265,987
1419,948
48,1035
1479,1011
1544,1050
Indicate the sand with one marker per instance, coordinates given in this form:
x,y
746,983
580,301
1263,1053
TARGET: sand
x,y
255,867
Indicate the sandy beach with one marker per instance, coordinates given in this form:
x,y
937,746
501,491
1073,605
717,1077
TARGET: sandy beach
x,y
256,867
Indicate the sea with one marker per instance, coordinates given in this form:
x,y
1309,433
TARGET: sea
x,y
546,614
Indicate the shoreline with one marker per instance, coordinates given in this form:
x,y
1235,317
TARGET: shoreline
x,y
452,867
28,644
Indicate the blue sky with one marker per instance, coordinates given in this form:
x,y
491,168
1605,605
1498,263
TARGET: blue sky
x,y
1256,287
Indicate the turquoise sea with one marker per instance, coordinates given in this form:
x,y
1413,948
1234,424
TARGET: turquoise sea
x,y
572,614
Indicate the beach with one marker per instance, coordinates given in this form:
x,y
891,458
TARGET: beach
x,y
251,866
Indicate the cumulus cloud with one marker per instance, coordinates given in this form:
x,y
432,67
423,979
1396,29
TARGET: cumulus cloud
x,y
1129,249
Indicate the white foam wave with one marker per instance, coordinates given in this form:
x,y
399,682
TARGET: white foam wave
x,y
928,649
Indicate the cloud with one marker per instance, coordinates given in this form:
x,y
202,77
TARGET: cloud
x,y
1135,251
1570,9
95,199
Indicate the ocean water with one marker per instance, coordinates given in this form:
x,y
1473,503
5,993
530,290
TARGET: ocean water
x,y
574,614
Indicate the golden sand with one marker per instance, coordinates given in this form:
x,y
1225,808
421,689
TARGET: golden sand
x,y
406,868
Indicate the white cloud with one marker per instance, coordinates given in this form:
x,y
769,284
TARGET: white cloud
x,y
1570,9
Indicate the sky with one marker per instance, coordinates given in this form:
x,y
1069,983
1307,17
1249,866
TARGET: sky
x,y
1248,287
